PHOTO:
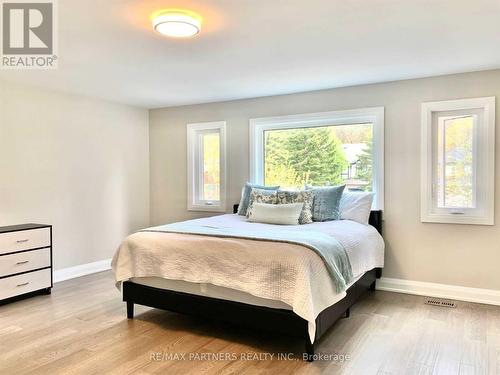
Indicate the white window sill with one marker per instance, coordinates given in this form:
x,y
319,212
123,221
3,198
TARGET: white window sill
x,y
205,208
457,219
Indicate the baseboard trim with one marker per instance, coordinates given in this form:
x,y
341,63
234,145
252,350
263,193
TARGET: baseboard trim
x,y
420,288
81,270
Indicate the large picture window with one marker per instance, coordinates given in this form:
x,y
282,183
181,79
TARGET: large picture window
x,y
326,155
206,166
458,161
320,149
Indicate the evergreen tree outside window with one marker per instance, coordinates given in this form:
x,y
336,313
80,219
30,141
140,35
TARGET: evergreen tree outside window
x,y
319,156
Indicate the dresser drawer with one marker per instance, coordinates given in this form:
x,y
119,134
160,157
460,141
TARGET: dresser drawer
x,y
24,240
25,283
25,261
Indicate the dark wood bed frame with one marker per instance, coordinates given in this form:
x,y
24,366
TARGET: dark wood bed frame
x,y
281,321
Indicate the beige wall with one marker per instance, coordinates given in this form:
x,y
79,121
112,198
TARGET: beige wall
x,y
79,164
451,254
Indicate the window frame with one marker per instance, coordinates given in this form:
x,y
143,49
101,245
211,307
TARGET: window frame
x,y
374,115
483,109
195,167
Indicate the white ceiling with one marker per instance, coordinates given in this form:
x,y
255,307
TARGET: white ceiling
x,y
251,48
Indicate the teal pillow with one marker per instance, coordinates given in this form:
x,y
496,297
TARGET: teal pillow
x,y
245,196
327,202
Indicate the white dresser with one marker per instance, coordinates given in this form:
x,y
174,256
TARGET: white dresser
x,y
25,261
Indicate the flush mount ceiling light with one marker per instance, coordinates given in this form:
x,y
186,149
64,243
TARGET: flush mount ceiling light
x,y
177,23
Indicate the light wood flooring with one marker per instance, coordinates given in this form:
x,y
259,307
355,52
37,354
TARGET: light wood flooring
x,y
82,329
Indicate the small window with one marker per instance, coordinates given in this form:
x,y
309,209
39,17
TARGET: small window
x,y
455,183
458,161
321,149
206,166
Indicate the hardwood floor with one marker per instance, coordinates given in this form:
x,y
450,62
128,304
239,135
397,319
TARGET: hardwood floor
x,y
82,329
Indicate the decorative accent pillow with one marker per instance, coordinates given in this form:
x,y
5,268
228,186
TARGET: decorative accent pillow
x,y
356,206
261,196
284,214
326,204
245,196
303,196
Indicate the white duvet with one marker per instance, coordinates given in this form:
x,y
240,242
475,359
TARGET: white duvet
x,y
299,277
363,244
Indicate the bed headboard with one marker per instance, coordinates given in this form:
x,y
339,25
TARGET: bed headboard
x,y
375,219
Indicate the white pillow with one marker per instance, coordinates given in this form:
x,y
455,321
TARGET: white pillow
x,y
286,214
356,206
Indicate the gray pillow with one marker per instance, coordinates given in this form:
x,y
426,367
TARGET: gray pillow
x,y
326,205
303,196
245,196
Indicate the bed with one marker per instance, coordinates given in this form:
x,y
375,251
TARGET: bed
x,y
284,313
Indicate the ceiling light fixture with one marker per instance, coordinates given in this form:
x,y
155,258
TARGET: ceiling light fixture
x,y
177,23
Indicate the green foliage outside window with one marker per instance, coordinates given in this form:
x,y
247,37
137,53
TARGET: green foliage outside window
x,y
364,166
296,157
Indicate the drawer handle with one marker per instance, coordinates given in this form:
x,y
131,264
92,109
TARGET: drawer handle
x,y
23,262
22,241
23,284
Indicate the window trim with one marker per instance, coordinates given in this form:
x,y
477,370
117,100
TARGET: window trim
x,y
485,157
374,115
194,161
